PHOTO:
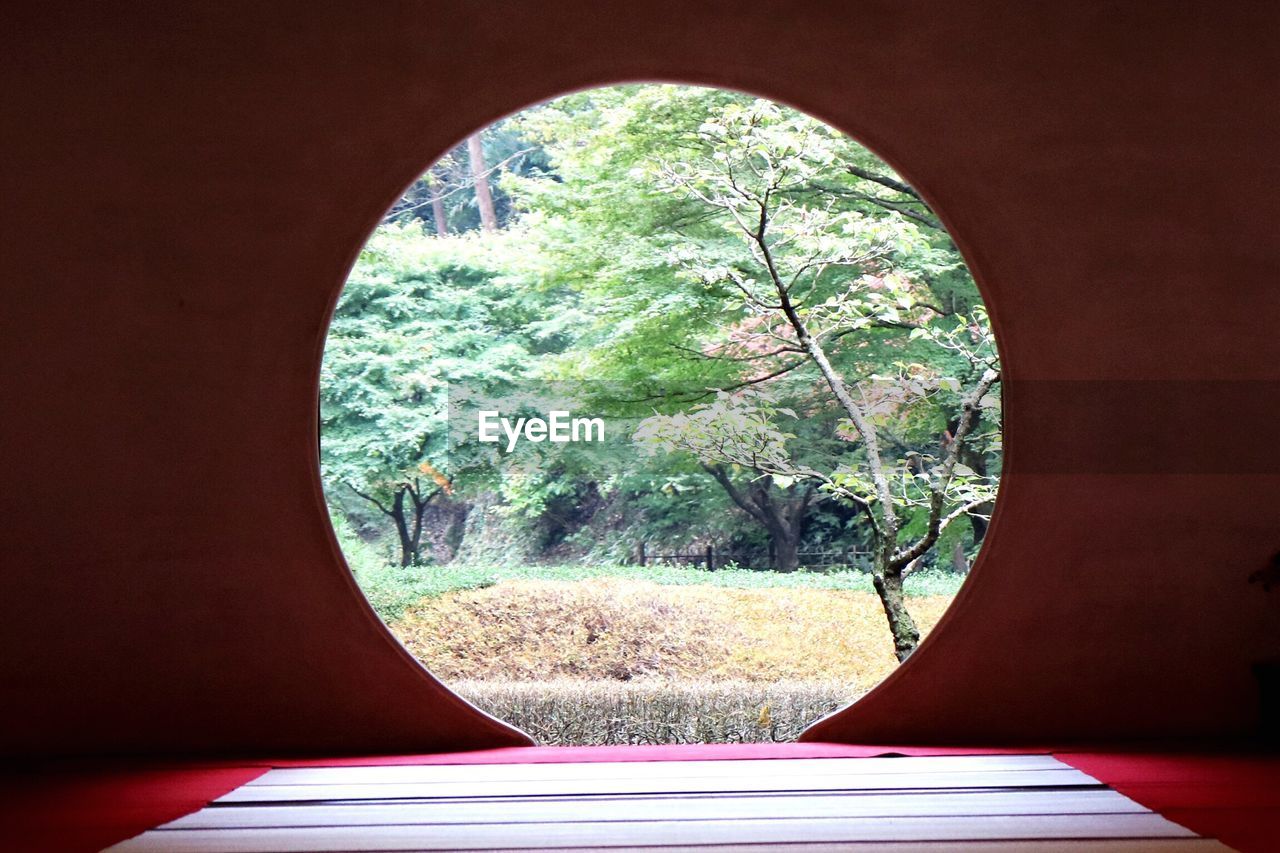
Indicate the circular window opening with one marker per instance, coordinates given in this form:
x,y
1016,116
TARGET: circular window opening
x,y
660,413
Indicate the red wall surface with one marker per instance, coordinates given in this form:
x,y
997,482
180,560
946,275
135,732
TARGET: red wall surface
x,y
186,185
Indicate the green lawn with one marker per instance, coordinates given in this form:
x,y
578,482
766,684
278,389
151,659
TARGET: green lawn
x,y
391,589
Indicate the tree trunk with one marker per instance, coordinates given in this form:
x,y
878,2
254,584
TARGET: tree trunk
x,y
784,532
977,462
959,561
484,199
439,216
455,528
408,548
408,522
980,524
782,523
786,556
903,628
417,518
419,511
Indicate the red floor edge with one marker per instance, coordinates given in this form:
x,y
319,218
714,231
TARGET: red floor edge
x,y
1228,793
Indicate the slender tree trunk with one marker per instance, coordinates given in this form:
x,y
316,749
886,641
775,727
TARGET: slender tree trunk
x,y
419,515
976,461
438,214
905,634
456,526
408,548
891,561
484,199
408,520
887,576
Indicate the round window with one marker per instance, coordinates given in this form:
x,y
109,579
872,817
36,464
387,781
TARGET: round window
x,y
660,413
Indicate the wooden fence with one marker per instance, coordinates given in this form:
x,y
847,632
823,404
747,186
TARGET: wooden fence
x,y
712,558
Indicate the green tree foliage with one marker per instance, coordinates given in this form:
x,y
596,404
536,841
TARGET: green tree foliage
x,y
813,277
418,314
798,334
724,243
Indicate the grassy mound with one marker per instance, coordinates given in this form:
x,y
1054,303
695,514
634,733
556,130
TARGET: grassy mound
x,y
614,629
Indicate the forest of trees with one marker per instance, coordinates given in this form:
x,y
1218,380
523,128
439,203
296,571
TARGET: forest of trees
x,y
800,355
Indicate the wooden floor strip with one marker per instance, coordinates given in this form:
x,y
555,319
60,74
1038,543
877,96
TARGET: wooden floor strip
x,y
1066,777
1000,804
553,810
652,769
604,834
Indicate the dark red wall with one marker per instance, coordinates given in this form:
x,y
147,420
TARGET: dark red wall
x,y
184,187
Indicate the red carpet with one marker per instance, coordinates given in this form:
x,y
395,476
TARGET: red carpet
x,y
1233,797
82,808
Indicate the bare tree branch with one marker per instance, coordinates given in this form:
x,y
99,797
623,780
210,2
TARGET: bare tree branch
x,y
466,185
743,358
884,181
371,499
735,495
937,499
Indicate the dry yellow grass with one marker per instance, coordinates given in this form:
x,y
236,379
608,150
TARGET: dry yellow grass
x,y
621,630
650,711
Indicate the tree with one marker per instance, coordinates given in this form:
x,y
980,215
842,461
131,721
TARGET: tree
x,y
607,231
725,437
655,217
813,276
438,214
417,314
480,178
407,518
449,194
